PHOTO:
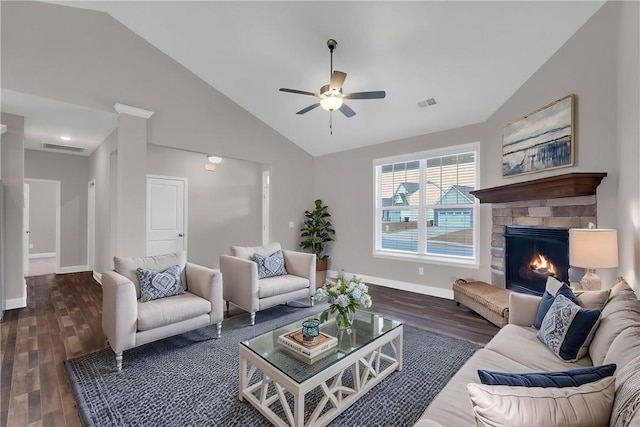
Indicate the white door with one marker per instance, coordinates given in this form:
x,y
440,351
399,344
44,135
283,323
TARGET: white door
x,y
25,235
265,207
165,215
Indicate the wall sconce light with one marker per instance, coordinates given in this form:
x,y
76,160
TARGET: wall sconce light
x,y
593,248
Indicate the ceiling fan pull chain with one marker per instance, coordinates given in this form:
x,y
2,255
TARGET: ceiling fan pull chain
x,y
331,122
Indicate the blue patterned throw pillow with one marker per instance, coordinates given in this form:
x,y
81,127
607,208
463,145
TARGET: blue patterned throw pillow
x,y
547,300
567,329
270,266
570,378
154,285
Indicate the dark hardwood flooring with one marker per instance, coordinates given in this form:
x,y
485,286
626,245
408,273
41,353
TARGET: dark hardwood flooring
x,y
63,320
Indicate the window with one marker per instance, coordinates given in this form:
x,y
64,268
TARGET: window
x,y
423,207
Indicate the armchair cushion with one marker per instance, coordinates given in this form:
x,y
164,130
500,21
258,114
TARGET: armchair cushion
x,y
127,266
247,252
271,265
279,285
167,311
155,285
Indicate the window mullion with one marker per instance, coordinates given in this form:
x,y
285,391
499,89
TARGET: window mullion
x,y
422,212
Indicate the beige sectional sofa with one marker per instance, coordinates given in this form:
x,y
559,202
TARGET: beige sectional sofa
x,y
516,349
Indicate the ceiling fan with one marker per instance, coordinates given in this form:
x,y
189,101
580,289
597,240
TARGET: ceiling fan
x,y
331,96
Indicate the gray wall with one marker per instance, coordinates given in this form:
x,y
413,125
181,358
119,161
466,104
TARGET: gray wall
x,y
12,147
628,137
73,173
92,60
42,216
224,206
587,65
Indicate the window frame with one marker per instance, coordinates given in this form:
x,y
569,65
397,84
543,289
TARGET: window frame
x,y
422,256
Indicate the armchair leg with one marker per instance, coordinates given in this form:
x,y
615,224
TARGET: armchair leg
x,y
227,302
119,361
219,328
253,319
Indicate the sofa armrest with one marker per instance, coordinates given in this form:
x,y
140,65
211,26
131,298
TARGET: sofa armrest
x,y
119,311
523,308
240,282
301,264
207,283
427,423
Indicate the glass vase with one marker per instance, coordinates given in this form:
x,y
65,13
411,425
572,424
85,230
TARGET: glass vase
x,y
344,320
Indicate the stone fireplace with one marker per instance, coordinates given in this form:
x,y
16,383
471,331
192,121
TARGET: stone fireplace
x,y
549,205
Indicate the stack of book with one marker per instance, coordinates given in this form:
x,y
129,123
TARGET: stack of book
x,y
322,346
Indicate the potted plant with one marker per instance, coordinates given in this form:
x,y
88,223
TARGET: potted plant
x,y
316,232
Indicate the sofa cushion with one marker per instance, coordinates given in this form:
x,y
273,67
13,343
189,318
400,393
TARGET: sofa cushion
x,y
552,290
279,285
247,252
624,347
621,312
521,344
627,401
270,265
126,266
167,311
155,285
593,299
586,405
570,378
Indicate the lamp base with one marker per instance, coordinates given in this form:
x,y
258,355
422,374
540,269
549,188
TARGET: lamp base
x,y
591,281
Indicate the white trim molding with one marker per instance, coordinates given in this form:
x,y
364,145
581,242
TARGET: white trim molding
x,y
3,129
97,277
73,269
133,111
20,302
43,255
403,286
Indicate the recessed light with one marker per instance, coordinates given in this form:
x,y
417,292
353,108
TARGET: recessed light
x,y
65,138
214,159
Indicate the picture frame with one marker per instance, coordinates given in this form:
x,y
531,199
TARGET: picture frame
x,y
541,140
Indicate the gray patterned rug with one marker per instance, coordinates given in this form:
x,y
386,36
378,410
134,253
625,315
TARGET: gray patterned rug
x,y
192,379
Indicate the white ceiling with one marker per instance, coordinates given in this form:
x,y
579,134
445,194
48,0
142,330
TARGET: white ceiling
x,y
46,120
470,56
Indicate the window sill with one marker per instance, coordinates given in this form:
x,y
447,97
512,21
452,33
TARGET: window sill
x,y
426,259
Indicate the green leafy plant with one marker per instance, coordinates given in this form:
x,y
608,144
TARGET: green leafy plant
x,y
317,231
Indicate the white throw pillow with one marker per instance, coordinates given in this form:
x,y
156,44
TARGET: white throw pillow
x,y
247,252
584,406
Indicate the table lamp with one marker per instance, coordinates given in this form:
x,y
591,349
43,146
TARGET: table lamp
x,y
592,248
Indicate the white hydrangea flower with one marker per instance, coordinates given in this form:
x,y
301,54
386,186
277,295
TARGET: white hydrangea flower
x,y
321,293
365,301
342,300
356,294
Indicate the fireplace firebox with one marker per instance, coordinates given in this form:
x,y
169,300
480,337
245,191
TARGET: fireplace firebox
x,y
532,254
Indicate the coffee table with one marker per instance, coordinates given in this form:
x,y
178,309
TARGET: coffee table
x,y
292,392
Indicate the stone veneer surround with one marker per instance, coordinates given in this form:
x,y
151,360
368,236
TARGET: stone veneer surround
x,y
569,212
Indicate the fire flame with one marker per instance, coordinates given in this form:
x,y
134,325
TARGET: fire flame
x,y
542,265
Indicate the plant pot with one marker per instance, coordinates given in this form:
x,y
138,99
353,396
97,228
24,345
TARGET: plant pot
x,y
321,272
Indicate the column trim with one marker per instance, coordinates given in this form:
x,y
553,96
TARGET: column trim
x,y
132,111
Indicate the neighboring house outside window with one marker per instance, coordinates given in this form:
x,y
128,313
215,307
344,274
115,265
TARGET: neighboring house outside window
x,y
424,210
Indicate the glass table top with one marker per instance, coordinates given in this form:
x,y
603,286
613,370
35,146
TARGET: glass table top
x,y
366,328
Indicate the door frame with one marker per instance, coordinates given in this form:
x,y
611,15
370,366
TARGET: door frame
x,y
266,207
185,218
57,209
91,225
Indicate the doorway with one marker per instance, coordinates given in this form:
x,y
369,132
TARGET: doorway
x,y
41,227
166,214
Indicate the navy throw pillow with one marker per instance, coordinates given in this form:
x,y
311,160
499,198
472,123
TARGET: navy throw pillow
x,y
547,300
570,378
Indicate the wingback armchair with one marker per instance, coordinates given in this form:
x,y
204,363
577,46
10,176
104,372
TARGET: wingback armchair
x,y
244,288
128,322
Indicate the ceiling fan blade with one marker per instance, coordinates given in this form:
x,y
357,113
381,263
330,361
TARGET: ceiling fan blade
x,y
299,92
347,111
309,108
337,79
365,95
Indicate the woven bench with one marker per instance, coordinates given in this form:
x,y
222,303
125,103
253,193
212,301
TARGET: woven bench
x,y
490,302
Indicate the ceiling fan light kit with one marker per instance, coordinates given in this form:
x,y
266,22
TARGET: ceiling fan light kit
x,y
331,96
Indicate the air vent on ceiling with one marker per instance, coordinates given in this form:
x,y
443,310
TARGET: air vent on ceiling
x,y
62,147
427,102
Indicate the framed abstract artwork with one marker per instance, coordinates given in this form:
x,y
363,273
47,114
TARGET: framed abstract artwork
x,y
541,140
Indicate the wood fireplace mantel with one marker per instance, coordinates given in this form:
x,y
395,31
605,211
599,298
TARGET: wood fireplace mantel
x,y
553,187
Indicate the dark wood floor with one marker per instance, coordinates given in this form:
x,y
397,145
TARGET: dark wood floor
x,y
63,320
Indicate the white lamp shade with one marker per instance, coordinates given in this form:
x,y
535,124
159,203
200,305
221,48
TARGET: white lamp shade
x,y
331,103
593,248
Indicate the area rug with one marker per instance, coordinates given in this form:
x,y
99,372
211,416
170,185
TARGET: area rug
x,y
192,378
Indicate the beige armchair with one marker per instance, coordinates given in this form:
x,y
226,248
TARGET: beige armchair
x,y
127,322
243,288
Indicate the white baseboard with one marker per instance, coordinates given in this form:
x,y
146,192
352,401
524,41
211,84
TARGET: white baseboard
x,y
97,277
73,269
19,302
403,286
43,255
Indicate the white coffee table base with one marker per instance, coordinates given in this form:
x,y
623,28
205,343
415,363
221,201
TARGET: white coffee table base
x,y
365,364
